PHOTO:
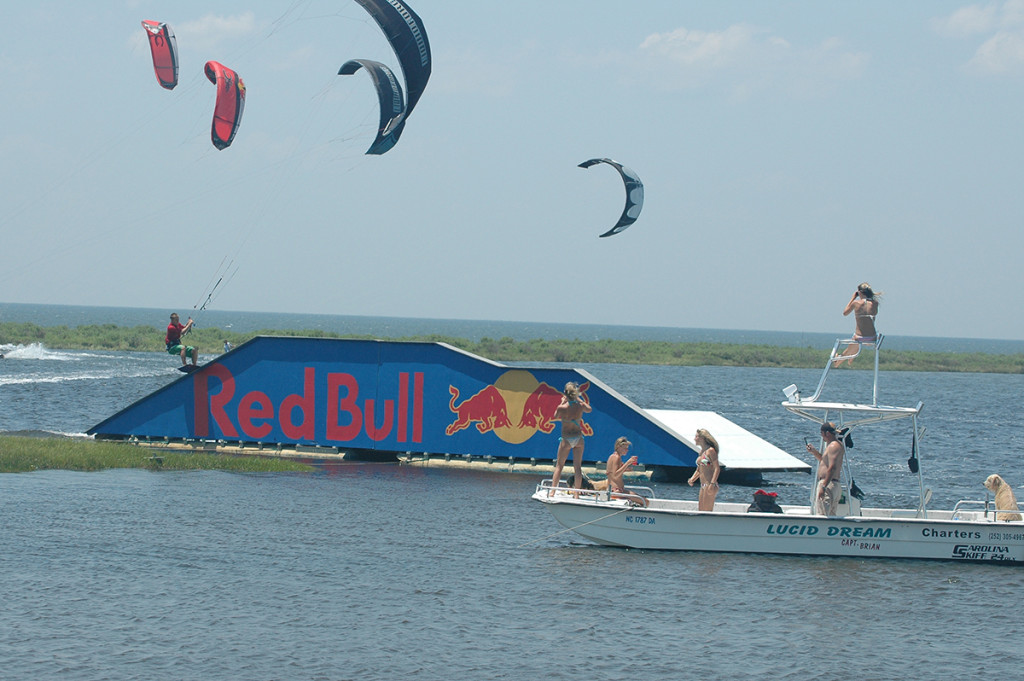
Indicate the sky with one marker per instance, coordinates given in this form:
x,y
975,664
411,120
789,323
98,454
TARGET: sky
x,y
789,151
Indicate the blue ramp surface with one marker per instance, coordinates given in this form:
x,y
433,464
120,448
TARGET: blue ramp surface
x,y
390,396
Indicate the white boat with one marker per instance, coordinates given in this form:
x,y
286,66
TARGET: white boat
x,y
641,520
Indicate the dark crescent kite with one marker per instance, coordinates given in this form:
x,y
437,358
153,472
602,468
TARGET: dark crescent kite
x,y
404,31
634,194
392,104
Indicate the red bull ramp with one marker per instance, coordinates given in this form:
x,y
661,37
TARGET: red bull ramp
x,y
384,399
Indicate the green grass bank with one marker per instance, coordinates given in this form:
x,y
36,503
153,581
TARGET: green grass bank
x,y
26,454
150,339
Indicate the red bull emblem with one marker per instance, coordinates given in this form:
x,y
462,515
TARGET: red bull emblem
x,y
515,398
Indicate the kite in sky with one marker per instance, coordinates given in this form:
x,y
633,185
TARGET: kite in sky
x,y
404,30
227,113
165,52
634,194
392,104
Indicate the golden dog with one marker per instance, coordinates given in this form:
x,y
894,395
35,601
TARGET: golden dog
x,y
1005,500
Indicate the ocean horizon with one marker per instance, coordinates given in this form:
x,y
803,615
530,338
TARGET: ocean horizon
x,y
402,327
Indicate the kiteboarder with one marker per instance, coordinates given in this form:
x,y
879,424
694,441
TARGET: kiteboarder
x,y
175,330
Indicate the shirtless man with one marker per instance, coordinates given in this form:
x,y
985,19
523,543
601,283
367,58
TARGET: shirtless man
x,y
865,304
616,466
830,466
570,412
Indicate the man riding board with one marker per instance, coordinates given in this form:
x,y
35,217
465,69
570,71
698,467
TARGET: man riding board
x,y
175,330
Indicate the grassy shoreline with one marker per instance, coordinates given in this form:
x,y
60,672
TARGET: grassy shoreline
x,y
27,454
150,339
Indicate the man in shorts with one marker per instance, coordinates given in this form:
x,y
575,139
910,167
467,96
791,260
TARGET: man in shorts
x,y
175,330
830,466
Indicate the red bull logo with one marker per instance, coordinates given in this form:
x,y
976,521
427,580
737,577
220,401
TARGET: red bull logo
x,y
515,398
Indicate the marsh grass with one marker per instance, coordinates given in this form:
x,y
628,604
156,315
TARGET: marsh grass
x,y
25,454
147,338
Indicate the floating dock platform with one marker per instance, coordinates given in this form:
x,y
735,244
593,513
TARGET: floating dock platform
x,y
418,402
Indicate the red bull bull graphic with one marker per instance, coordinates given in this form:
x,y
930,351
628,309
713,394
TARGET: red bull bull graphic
x,y
539,409
487,409
516,396
389,396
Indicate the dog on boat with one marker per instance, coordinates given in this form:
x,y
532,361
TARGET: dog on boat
x,y
601,485
596,485
1005,500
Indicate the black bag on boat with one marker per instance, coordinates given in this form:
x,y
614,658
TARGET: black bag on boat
x,y
764,502
856,491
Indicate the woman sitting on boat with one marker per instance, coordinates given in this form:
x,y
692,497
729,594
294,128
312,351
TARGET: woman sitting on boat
x,y
616,467
707,470
864,304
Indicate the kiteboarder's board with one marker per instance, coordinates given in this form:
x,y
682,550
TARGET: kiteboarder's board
x,y
188,368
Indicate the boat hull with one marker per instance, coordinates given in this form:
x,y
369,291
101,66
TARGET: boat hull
x,y
678,526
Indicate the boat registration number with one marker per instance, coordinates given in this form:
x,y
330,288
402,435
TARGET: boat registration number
x,y
640,519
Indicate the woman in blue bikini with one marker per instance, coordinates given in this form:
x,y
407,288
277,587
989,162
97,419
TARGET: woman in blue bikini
x,y
570,412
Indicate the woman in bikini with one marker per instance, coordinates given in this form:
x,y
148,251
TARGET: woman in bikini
x,y
570,412
616,465
864,305
707,470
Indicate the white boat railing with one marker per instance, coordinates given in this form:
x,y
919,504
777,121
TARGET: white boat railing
x,y
986,505
848,416
835,355
597,494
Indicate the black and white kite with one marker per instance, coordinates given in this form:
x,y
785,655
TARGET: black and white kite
x,y
392,104
404,30
634,194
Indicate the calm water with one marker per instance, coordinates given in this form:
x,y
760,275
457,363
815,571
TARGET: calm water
x,y
384,571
